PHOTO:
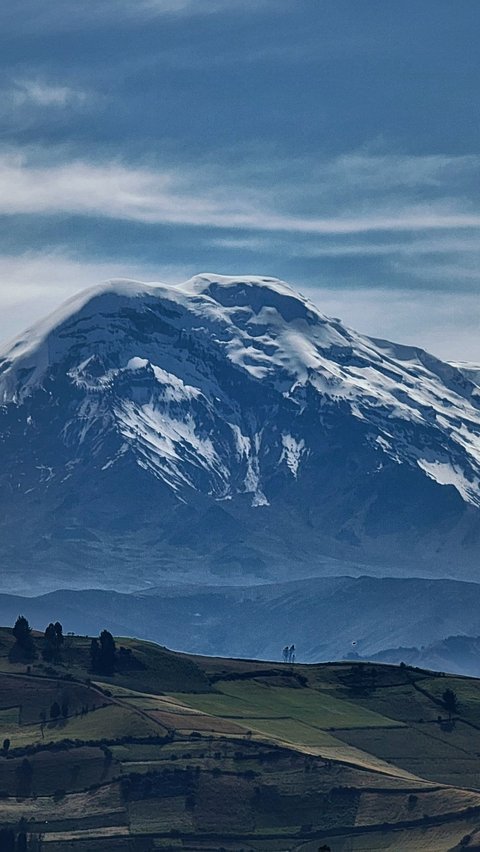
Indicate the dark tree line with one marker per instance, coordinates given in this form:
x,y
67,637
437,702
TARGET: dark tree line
x,y
24,647
103,652
164,782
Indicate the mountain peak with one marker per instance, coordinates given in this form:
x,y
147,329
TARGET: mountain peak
x,y
106,319
237,395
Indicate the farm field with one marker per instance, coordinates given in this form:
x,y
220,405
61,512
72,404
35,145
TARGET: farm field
x,y
179,752
262,699
435,839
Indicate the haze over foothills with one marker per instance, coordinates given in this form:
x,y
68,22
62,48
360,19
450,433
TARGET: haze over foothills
x,y
330,143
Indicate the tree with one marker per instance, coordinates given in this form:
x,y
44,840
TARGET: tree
x,y
50,634
102,653
49,651
43,720
52,641
65,708
6,744
22,842
22,630
107,644
24,646
55,710
24,774
94,655
450,702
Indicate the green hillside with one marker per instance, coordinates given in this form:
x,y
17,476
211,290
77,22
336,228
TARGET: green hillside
x,y
177,752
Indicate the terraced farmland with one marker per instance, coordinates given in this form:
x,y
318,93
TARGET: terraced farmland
x,y
198,753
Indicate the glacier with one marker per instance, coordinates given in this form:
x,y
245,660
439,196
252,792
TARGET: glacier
x,y
224,429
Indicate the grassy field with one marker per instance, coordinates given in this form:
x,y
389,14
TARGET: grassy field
x,y
30,696
178,752
305,718
444,838
320,709
97,724
69,769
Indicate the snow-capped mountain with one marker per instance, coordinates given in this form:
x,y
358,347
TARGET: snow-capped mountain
x,y
226,429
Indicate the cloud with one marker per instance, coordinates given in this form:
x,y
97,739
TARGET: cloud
x,y
353,224
206,7
32,103
410,246
445,326
244,243
369,170
33,284
452,271
39,93
216,197
34,18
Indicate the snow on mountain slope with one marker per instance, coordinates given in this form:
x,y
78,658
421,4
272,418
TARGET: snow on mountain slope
x,y
470,371
267,330
224,387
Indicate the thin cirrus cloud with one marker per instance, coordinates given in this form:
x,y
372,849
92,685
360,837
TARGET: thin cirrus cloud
x,y
211,198
348,209
413,247
206,7
446,327
39,93
32,17
35,283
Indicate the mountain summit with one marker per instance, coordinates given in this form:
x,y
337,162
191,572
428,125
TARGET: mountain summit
x,y
225,430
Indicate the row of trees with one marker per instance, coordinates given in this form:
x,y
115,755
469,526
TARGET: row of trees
x,y
288,654
102,650
24,648
106,660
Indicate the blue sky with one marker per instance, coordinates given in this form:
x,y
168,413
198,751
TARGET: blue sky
x,y
332,143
